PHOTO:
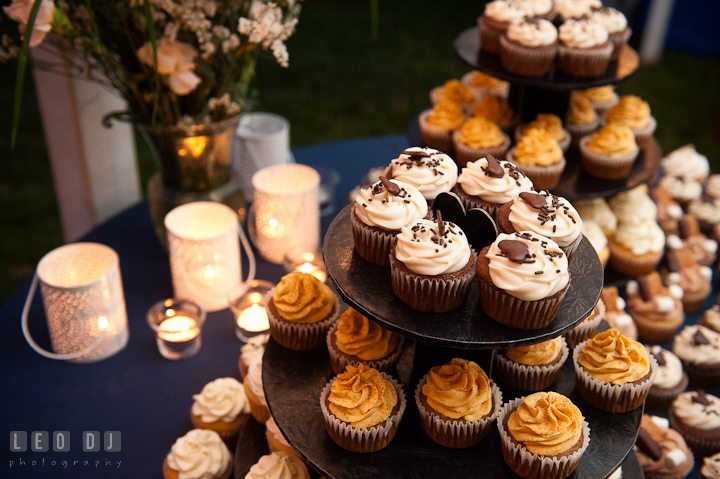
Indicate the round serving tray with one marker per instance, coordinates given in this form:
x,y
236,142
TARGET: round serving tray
x,y
293,381
367,288
467,46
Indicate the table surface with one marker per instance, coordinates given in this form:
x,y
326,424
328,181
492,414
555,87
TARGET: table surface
x,y
137,392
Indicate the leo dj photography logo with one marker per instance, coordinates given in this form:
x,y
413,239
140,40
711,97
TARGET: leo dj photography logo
x,y
59,441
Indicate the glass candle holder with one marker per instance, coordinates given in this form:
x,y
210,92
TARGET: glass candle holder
x,y
178,326
307,260
248,306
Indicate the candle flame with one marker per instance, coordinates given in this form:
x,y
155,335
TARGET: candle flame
x,y
273,223
102,322
170,313
255,298
306,268
196,145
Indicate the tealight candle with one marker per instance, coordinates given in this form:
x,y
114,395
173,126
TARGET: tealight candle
x,y
247,304
177,325
306,260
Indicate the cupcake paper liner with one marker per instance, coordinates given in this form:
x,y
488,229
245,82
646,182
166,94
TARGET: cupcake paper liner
x,y
660,399
605,166
259,411
702,377
526,61
656,331
543,177
584,330
577,131
372,244
469,202
570,249
465,154
564,143
700,447
365,439
457,434
435,137
529,378
339,361
300,336
629,264
534,466
489,36
584,62
611,397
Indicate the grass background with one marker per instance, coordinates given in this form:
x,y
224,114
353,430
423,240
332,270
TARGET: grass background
x,y
340,84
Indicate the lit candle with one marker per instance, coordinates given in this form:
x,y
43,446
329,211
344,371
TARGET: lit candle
x,y
178,329
313,270
254,318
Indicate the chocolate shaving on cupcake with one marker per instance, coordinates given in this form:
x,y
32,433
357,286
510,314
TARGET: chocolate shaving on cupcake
x,y
416,154
700,398
648,445
515,251
494,169
699,338
533,199
391,187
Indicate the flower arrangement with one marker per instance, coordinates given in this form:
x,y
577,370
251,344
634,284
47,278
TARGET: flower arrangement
x,y
175,62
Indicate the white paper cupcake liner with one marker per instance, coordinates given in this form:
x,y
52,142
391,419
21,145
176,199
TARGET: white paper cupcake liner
x,y
457,434
300,336
606,166
611,397
584,330
362,439
534,466
340,361
526,377
370,243
577,131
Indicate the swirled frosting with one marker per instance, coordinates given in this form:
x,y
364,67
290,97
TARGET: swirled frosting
x,y
482,81
695,414
480,133
254,349
630,111
633,206
374,206
594,233
582,111
431,175
673,460
302,298
706,209
599,211
711,318
494,108
199,454
550,123
536,354
582,33
362,397
640,238
459,389
687,348
546,423
613,140
424,251
278,465
537,147
669,374
662,304
505,10
476,182
274,431
557,220
681,189
454,91
522,280
537,7
220,400
711,467
712,186
357,336
533,34
612,358
446,115
613,20
575,8
601,94
253,380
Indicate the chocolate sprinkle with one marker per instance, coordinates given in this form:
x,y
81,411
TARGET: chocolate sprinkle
x,y
700,398
644,288
515,251
534,200
494,169
699,338
648,445
391,187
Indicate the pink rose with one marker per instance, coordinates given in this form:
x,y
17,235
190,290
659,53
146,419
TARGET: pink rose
x,y
19,10
174,59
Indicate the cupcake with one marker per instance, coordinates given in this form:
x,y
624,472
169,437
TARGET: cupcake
x,y
602,97
430,171
707,211
633,206
711,467
489,184
574,8
686,162
661,451
585,49
633,112
529,46
484,84
437,125
362,408
539,156
670,381
594,233
586,328
597,210
355,339
683,191
378,214
199,453
613,373
711,318
695,280
668,211
550,123
279,465
539,8
523,279
495,109
495,20
636,248
542,435
616,24
251,351
696,416
610,152
253,387
531,368
432,266
712,186
301,310
656,310
545,214
581,119
453,91
222,407
699,350
689,238
478,137
615,314
276,441
458,404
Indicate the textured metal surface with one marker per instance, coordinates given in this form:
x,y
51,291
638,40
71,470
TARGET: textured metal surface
x,y
368,289
293,382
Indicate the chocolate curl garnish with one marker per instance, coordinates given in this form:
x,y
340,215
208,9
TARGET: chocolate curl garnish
x,y
660,358
416,153
441,224
493,169
672,262
534,200
684,228
699,338
644,288
700,398
648,445
516,251
391,187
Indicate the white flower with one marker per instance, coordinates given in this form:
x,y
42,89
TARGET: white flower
x,y
280,52
175,59
265,27
19,10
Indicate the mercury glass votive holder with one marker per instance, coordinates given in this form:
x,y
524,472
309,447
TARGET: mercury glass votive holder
x,y
178,327
248,307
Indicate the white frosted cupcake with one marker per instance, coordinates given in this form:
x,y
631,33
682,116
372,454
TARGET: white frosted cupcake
x,y
616,24
682,190
199,453
599,211
278,465
222,407
251,352
255,393
276,441
594,233
495,20
699,350
636,248
686,162
430,171
633,206
585,49
529,47
670,381
575,8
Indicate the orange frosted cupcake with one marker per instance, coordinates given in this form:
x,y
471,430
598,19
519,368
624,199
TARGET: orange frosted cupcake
x,y
495,21
539,156
222,407
199,453
656,310
437,125
550,123
453,91
531,368
484,84
610,152
582,119
602,97
631,111
458,403
496,109
543,435
477,138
